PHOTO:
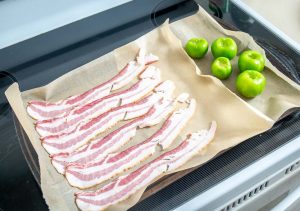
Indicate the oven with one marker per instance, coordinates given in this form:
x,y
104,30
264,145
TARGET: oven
x,y
260,173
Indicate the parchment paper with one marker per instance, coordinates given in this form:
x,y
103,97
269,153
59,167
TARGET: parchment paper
x,y
237,118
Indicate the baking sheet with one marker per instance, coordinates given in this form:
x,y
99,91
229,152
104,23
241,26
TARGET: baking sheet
x,y
237,119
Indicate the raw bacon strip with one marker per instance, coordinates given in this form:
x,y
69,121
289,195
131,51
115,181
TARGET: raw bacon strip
x,y
84,113
68,142
46,110
129,184
114,140
85,176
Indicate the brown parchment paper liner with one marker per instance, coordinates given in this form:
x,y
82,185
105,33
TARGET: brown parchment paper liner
x,y
237,119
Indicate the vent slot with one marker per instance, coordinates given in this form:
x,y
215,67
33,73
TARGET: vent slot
x,y
292,167
245,197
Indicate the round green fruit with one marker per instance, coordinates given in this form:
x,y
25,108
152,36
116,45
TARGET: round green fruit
x,y
251,60
250,83
221,68
224,47
196,47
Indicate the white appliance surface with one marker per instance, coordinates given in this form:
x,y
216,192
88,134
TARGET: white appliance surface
x,y
23,19
282,17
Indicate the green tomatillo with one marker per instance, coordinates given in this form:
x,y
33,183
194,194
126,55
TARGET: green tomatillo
x,y
251,60
250,83
224,47
196,47
221,68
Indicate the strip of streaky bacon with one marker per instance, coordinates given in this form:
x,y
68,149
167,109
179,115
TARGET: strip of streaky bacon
x,y
84,113
127,185
112,165
113,141
83,133
41,110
